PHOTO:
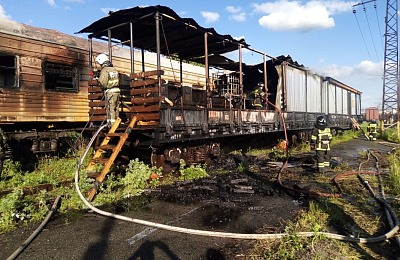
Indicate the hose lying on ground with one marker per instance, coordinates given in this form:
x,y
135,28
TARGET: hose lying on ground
x,y
36,232
380,238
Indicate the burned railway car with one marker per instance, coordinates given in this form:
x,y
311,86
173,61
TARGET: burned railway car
x,y
218,106
174,78
42,85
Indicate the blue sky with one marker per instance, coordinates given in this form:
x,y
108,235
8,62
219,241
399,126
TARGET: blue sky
x,y
325,36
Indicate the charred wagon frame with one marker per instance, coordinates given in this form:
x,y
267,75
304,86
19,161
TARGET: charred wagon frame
x,y
174,78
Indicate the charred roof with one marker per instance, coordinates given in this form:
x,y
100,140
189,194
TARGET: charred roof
x,y
181,37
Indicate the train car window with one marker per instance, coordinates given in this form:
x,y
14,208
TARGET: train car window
x,y
60,77
7,71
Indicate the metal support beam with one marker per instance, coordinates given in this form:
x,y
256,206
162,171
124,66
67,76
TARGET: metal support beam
x,y
158,42
132,49
90,53
208,88
109,46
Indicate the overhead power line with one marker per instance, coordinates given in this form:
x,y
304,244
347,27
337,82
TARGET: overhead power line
x,y
362,35
369,27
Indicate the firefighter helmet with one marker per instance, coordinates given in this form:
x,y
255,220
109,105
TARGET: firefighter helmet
x,y
321,121
101,58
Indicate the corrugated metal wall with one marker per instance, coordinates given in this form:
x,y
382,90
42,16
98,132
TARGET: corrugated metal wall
x,y
314,93
339,101
296,89
331,98
306,91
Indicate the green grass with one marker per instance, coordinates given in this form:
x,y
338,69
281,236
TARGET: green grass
x,y
293,246
394,174
17,208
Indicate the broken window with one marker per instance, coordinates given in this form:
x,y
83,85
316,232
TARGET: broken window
x,y
60,77
7,71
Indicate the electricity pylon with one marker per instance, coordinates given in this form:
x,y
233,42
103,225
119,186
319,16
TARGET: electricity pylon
x,y
390,101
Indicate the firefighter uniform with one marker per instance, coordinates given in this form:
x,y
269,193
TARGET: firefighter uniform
x,y
372,133
258,99
109,82
320,141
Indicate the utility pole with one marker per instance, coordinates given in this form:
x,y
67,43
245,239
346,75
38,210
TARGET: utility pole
x,y
391,93
390,101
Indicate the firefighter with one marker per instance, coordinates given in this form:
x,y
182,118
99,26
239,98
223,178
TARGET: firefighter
x,y
258,96
371,128
321,138
109,82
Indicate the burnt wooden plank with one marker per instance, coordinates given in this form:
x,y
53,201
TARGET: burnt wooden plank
x,y
147,74
141,91
102,110
148,123
95,89
97,118
95,96
145,100
93,82
145,108
98,111
141,83
148,116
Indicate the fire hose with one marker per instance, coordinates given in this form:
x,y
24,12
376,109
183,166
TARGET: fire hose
x,y
380,238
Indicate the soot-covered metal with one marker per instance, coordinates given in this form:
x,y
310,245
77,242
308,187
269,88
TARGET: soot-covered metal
x,y
185,37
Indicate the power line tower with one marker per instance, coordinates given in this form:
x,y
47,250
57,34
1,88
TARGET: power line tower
x,y
390,101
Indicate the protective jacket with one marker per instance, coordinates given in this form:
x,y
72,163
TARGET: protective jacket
x,y
371,128
258,98
372,133
321,139
108,78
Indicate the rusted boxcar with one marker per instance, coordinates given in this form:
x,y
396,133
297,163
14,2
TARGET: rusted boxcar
x,y
372,113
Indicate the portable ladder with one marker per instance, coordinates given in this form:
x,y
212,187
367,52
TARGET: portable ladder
x,y
102,150
357,126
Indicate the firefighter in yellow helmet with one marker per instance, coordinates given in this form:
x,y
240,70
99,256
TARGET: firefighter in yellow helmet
x,y
321,138
371,128
109,82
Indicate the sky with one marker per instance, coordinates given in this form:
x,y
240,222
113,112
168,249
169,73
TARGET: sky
x,y
337,38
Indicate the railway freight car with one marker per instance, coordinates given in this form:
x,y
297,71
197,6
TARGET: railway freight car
x,y
185,95
200,114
